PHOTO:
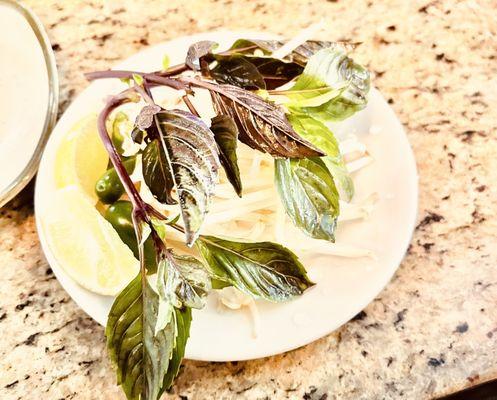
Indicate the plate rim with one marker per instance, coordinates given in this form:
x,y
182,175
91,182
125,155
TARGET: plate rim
x,y
27,173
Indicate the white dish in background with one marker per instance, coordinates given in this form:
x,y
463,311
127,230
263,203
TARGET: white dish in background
x,y
28,96
344,286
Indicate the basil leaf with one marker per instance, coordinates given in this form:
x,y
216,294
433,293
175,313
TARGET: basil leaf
x,y
321,136
237,70
332,70
309,196
299,55
137,135
252,44
226,136
140,352
197,51
157,173
190,280
119,214
145,117
315,97
183,322
335,110
261,124
274,71
253,72
149,322
262,269
192,155
306,50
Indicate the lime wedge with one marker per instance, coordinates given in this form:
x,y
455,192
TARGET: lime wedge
x,y
81,157
85,244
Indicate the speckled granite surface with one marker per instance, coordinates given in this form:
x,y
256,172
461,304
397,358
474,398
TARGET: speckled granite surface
x,y
433,330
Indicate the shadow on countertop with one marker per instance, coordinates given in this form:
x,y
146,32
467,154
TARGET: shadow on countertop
x,y
484,391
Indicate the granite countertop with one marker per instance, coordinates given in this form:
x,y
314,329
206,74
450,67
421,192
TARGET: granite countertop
x,y
432,331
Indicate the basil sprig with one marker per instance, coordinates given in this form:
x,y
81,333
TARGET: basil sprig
x,y
149,322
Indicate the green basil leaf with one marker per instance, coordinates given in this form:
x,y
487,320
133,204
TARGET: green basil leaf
x,y
192,155
157,173
149,322
321,136
140,352
124,338
306,50
262,269
226,136
309,195
183,322
315,97
331,69
237,70
261,125
336,110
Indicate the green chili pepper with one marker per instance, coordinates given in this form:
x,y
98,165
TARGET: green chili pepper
x,y
109,187
119,215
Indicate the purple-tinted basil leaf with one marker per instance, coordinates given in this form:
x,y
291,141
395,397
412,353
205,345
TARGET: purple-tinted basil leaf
x,y
253,72
261,125
192,154
157,172
226,135
146,116
198,50
274,71
238,71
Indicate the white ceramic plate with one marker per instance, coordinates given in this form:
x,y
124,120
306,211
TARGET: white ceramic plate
x,y
344,286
